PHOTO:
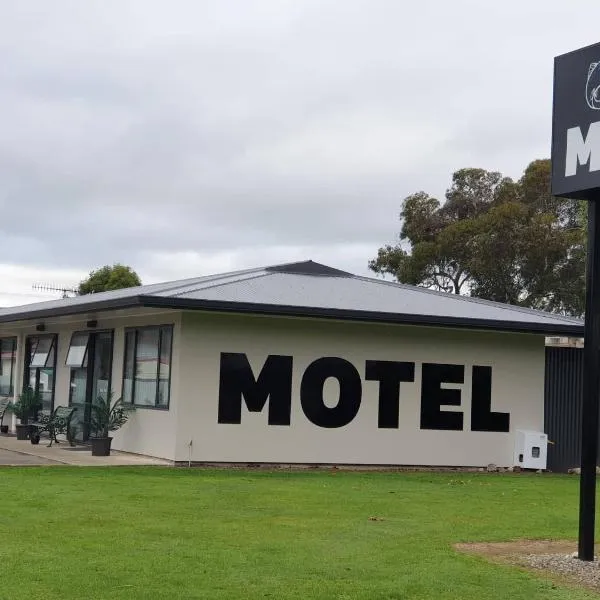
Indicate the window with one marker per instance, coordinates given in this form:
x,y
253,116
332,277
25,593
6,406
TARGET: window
x,y
40,366
8,350
147,369
78,386
77,354
90,358
42,351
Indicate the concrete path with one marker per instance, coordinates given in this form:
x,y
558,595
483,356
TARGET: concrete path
x,y
14,459
23,452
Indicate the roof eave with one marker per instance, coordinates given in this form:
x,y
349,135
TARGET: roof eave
x,y
565,329
63,311
149,301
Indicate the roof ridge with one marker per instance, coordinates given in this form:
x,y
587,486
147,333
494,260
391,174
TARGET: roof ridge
x,y
308,267
471,299
277,268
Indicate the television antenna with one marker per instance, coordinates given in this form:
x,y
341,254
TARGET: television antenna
x,y
55,288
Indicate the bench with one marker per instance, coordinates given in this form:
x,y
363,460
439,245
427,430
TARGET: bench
x,y
4,402
59,421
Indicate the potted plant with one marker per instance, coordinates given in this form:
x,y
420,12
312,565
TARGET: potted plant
x,y
107,418
26,407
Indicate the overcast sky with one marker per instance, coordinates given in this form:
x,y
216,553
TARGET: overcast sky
x,y
187,138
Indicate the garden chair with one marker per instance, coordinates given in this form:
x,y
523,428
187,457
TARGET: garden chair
x,y
59,421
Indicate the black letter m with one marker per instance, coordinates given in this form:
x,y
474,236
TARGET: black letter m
x,y
237,381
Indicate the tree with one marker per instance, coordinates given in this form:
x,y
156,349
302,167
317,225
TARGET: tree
x,y
439,236
494,238
113,277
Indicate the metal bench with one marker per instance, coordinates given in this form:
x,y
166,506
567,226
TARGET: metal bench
x,y
59,421
4,402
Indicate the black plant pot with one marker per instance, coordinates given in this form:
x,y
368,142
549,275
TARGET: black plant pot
x,y
34,437
22,431
3,428
101,446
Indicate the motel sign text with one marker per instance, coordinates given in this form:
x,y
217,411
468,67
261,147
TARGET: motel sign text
x,y
238,385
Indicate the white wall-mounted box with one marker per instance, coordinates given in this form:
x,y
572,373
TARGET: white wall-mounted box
x,y
531,449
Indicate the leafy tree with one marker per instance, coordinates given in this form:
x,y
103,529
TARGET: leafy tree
x,y
113,277
494,238
438,236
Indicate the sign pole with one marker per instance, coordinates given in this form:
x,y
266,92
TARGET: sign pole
x,y
591,387
576,175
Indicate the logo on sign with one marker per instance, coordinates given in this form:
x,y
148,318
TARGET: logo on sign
x,y
592,88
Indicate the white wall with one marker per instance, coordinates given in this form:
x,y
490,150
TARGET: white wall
x,y
198,340
517,387
148,431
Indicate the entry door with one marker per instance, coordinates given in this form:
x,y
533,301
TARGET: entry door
x,y
40,367
90,358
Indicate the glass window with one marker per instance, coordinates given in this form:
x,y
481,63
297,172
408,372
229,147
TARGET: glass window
x,y
164,366
90,359
39,371
77,354
8,350
146,373
129,369
42,351
146,367
78,385
102,368
46,388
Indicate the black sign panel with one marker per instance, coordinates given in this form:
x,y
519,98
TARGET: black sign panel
x,y
576,124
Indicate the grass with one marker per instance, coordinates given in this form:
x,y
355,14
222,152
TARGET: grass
x,y
139,533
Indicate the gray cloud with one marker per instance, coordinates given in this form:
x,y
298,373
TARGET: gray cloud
x,y
203,135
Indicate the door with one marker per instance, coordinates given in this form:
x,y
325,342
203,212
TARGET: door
x,y
90,358
40,367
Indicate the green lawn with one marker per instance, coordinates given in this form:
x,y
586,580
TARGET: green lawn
x,y
153,533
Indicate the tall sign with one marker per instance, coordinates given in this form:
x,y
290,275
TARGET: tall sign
x,y
576,124
576,174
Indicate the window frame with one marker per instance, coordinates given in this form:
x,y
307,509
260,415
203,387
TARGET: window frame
x,y
83,363
135,330
13,364
33,351
88,364
28,354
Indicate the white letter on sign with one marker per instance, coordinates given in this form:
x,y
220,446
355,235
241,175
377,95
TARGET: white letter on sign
x,y
580,150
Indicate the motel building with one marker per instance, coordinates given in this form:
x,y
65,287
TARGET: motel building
x,y
292,364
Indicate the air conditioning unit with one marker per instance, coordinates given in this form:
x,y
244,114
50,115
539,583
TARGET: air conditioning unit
x,y
531,449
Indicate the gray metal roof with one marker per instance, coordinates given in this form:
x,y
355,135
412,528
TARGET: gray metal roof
x,y
310,289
